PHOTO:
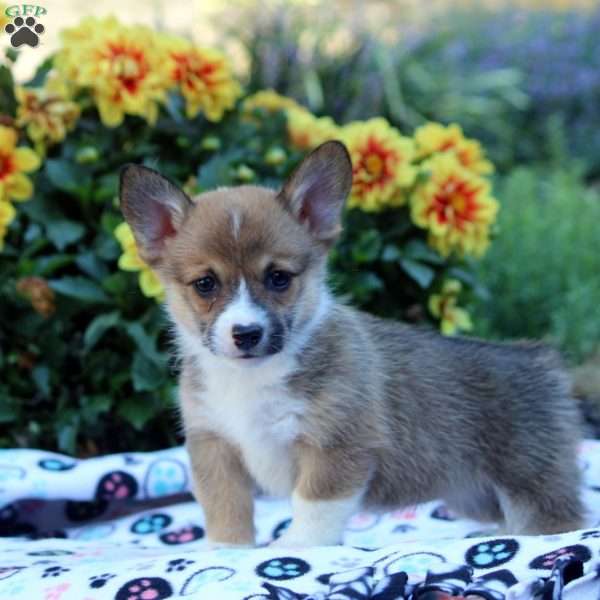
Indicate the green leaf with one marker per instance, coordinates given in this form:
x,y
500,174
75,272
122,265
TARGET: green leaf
x,y
136,411
419,250
391,253
91,265
417,271
145,343
8,414
367,247
41,378
79,288
217,171
93,406
68,176
97,328
8,102
146,375
64,232
67,434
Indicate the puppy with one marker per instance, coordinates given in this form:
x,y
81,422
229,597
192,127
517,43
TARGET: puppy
x,y
286,388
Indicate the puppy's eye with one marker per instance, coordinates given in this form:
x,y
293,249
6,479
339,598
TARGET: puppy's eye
x,y
278,280
205,285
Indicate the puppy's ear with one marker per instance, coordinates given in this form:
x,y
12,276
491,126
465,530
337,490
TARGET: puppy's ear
x,y
153,206
315,192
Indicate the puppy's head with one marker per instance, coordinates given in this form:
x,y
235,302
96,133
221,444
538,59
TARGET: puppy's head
x,y
243,267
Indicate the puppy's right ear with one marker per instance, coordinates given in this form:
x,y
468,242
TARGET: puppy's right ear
x,y
154,207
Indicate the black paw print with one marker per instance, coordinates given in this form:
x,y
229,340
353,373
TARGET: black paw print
x,y
491,554
116,485
282,568
54,571
151,523
98,581
594,533
24,31
141,588
185,535
546,561
178,564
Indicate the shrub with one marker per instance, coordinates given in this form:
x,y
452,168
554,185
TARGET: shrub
x,y
542,270
82,336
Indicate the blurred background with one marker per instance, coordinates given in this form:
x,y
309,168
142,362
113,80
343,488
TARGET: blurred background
x,y
523,78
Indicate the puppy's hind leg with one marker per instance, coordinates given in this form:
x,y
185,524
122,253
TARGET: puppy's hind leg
x,y
548,510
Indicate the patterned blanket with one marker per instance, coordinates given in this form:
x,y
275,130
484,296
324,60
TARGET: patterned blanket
x,y
124,527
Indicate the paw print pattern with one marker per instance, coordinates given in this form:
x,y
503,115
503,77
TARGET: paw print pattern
x,y
55,464
178,564
442,512
491,554
98,581
165,477
24,31
185,535
594,533
279,569
145,588
204,577
283,525
151,523
546,561
54,571
116,485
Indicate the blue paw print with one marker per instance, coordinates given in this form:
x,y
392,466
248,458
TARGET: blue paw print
x,y
151,523
164,478
492,553
56,464
282,568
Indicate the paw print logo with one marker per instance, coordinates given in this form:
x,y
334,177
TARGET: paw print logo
x,y
116,485
151,523
98,581
546,561
491,554
54,571
185,535
165,477
145,588
283,568
594,533
24,31
178,564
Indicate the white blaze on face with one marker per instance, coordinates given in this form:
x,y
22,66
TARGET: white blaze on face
x,y
240,311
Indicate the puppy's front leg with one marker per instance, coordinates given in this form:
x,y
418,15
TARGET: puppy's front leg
x,y
328,491
224,489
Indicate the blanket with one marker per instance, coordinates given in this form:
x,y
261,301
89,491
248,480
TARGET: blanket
x,y
125,527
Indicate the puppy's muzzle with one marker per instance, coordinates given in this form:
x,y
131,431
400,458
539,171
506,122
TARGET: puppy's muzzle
x,y
246,337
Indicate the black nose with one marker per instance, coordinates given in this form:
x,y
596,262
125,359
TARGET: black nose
x,y
246,337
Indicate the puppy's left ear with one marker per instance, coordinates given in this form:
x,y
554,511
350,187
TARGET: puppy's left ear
x,y
316,191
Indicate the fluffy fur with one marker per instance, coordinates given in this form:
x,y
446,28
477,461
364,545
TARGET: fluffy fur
x,y
332,406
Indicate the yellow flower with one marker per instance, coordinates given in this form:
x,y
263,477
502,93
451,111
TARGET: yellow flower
x,y
204,78
125,68
4,20
130,260
455,205
306,131
443,307
433,137
48,113
270,101
7,214
14,163
381,160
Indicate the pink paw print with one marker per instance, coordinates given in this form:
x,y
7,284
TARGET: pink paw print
x,y
185,535
116,485
145,588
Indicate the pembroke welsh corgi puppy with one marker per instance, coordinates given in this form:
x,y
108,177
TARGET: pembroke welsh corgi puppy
x,y
284,387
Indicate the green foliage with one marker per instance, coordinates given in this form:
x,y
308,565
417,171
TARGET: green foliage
x,y
542,270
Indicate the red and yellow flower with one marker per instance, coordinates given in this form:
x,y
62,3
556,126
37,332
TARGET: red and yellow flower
x,y
455,205
14,163
434,137
203,76
382,164
130,260
123,67
443,306
47,113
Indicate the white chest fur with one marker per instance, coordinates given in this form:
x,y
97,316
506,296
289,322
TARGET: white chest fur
x,y
253,409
